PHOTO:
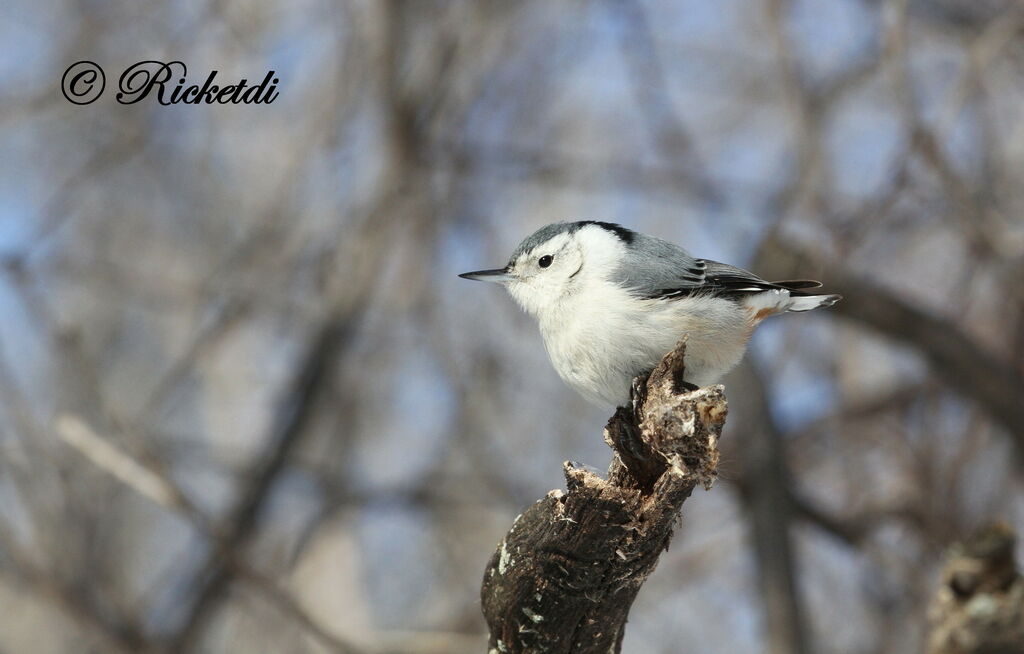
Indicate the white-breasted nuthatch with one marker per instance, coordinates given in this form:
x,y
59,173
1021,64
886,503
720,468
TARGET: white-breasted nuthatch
x,y
612,302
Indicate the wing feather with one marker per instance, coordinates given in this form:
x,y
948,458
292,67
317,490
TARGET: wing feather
x,y
657,269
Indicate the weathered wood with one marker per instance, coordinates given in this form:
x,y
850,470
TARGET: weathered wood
x,y
564,577
979,607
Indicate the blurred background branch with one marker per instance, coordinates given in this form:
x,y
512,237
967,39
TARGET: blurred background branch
x,y
979,606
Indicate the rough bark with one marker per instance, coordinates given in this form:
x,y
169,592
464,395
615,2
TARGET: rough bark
x,y
564,577
979,607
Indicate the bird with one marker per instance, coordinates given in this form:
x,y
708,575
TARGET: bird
x,y
611,302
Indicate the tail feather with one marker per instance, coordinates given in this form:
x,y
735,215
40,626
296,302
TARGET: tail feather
x,y
808,302
800,300
770,302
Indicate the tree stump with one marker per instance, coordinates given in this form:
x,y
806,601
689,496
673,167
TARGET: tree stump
x,y
564,577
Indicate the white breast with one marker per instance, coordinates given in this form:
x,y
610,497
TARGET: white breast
x,y
601,337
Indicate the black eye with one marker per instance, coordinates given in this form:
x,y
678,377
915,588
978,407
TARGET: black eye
x,y
545,261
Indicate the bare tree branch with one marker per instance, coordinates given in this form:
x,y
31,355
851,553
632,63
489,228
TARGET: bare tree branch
x,y
651,91
119,635
162,490
962,363
564,577
767,495
294,414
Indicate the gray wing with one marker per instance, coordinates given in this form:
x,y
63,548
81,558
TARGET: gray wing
x,y
658,269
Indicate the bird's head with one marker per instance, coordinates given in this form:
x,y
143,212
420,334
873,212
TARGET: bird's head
x,y
559,261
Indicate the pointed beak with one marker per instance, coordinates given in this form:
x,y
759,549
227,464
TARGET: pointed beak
x,y
498,275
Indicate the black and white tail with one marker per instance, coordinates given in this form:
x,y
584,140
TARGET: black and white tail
x,y
800,300
789,296
808,302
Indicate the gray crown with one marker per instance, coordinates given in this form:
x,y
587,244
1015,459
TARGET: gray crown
x,y
548,232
